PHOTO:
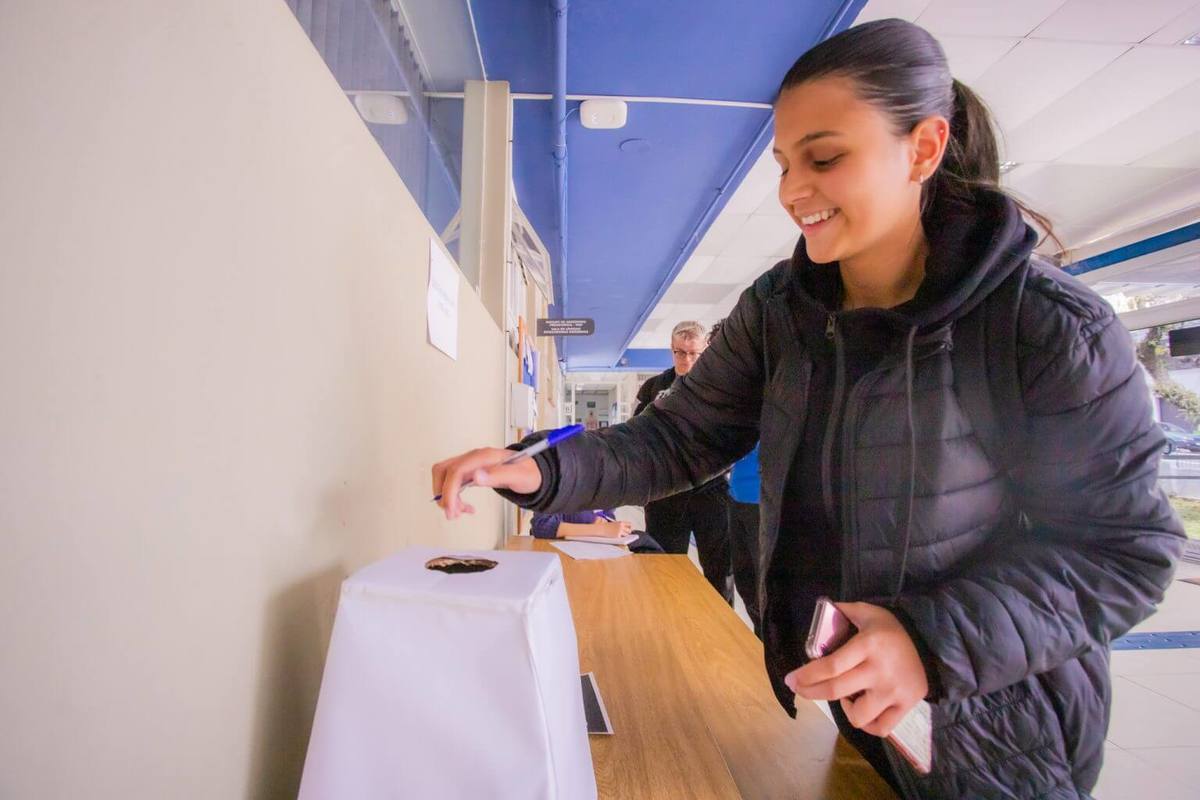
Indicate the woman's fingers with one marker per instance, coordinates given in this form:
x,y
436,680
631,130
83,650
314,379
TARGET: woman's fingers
x,y
848,684
844,659
482,467
864,710
886,722
438,473
449,476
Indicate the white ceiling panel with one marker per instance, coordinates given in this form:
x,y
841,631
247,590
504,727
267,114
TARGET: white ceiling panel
x,y
727,305
1132,83
1177,271
646,339
1085,202
1110,20
724,227
674,313
971,56
762,180
771,207
888,9
1132,268
1185,25
1163,123
1181,154
1175,191
1034,74
985,17
694,268
698,293
1070,192
1023,174
738,270
760,236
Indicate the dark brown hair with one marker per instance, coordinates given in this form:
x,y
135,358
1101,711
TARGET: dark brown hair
x,y
716,328
902,70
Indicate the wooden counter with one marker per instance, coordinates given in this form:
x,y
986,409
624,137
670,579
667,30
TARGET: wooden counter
x,y
686,691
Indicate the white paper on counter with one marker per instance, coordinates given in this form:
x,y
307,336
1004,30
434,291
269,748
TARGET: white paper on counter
x,y
627,539
586,551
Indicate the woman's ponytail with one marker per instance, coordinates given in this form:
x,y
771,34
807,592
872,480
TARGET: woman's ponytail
x,y
972,155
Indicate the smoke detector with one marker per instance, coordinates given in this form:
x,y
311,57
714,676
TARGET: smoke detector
x,y
603,114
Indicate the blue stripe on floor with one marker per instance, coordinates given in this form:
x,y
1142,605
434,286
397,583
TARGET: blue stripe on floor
x,y
1167,640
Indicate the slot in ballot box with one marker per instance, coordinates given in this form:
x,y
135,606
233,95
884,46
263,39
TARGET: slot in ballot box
x,y
451,685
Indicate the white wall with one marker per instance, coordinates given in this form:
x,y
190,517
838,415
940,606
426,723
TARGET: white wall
x,y
218,397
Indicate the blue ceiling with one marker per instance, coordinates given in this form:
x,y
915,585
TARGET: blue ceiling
x,y
634,214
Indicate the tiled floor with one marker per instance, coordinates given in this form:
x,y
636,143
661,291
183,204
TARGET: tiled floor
x,y
1153,749
1153,746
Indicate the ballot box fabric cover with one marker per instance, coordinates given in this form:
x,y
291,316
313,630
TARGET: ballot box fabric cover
x,y
444,685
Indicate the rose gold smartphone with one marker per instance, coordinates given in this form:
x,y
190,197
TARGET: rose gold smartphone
x,y
830,629
912,738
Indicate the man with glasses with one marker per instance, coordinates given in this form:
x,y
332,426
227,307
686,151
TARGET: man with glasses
x,y
703,510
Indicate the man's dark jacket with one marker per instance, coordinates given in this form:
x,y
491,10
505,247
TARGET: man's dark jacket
x,y
1015,580
652,388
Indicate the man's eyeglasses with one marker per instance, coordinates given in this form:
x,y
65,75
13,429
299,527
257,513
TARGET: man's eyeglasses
x,y
686,353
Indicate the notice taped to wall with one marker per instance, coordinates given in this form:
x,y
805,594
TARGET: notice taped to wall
x,y
441,304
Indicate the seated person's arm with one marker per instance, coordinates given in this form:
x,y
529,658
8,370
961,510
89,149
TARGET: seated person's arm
x,y
545,526
601,527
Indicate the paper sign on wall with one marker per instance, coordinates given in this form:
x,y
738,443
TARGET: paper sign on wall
x,y
441,304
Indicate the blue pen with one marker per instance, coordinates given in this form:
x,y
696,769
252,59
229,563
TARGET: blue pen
x,y
553,439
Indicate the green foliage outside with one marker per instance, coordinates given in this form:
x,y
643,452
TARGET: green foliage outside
x,y
1157,360
1189,512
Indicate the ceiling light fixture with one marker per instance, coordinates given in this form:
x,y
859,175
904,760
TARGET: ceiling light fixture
x,y
381,109
1194,39
1008,166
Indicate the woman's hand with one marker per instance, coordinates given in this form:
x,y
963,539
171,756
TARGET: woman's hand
x,y
877,675
483,467
611,528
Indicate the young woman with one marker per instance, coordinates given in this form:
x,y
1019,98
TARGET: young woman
x,y
990,588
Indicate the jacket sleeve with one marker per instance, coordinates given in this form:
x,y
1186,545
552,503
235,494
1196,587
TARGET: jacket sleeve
x,y
1099,541
709,420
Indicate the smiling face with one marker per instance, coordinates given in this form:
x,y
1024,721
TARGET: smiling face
x,y
848,179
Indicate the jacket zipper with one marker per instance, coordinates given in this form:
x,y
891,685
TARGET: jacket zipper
x,y
831,333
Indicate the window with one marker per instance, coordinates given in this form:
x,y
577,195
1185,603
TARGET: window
x,y
1174,383
376,55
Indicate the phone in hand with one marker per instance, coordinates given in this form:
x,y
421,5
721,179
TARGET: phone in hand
x,y
913,736
830,629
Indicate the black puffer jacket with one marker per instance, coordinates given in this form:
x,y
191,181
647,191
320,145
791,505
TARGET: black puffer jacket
x,y
1015,583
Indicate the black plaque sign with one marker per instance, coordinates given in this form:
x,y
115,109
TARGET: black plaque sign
x,y
566,327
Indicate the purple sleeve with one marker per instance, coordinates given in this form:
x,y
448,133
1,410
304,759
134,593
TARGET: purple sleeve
x,y
545,526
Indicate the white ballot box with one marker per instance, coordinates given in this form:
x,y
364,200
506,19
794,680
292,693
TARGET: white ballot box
x,y
441,685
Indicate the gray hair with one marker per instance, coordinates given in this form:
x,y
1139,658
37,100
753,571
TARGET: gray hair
x,y
689,330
